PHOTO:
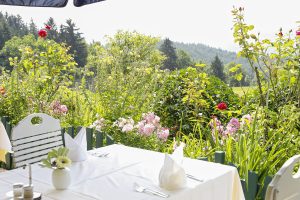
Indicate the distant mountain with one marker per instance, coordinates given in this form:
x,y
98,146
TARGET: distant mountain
x,y
206,54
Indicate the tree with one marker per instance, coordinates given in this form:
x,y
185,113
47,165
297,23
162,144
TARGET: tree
x,y
184,60
33,28
53,33
16,25
217,69
169,51
69,34
4,32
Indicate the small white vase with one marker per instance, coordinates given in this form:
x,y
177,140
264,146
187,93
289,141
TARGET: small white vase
x,y
61,178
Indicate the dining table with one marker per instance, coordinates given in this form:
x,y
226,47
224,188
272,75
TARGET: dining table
x,y
113,173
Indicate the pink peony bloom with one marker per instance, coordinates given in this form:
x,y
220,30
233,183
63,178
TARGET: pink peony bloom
x,y
232,127
127,128
63,109
235,122
140,126
156,120
148,129
298,33
149,117
163,134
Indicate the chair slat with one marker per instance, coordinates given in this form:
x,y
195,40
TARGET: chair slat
x,y
31,149
35,151
35,141
29,161
26,129
32,142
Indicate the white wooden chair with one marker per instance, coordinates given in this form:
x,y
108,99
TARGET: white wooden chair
x,y
285,185
32,142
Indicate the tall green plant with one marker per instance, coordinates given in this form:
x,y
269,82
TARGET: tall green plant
x,y
127,72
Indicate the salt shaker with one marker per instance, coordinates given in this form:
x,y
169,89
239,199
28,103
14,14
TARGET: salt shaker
x,y
18,189
28,192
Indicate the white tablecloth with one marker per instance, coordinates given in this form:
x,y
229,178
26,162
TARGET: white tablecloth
x,y
113,177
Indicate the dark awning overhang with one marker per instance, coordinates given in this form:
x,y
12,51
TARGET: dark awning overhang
x,y
46,3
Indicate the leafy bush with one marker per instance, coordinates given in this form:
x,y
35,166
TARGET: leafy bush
x,y
126,73
37,76
188,96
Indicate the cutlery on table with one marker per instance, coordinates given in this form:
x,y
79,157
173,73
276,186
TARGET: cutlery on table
x,y
100,155
194,178
143,189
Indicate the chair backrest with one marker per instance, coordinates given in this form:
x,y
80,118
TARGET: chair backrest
x,y
285,185
32,142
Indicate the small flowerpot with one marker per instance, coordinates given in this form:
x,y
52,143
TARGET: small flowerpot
x,y
61,178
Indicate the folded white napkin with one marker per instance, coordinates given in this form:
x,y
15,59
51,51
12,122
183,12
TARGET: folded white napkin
x,y
172,176
77,146
5,144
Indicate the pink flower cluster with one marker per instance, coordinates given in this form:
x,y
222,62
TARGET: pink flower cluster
x,y
58,109
216,125
232,127
149,125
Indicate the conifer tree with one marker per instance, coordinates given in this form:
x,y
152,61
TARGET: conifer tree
x,y
169,51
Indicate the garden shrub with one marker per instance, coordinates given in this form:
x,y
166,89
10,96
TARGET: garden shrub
x,y
189,96
126,73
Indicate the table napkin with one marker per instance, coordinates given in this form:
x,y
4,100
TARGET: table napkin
x,y
5,144
172,175
77,146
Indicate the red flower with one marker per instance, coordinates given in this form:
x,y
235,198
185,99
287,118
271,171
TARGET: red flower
x,y
42,33
2,90
48,27
222,106
280,34
298,33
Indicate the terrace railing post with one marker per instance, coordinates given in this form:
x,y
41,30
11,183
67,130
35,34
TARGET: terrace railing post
x,y
252,185
109,140
89,138
267,181
8,158
63,130
71,131
99,139
220,157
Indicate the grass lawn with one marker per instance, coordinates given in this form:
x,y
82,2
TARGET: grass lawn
x,y
242,90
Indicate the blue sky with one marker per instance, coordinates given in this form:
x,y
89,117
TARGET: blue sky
x,y
198,21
